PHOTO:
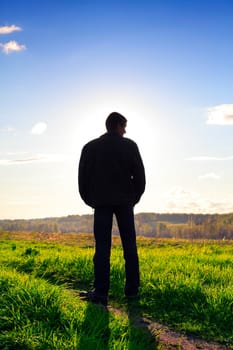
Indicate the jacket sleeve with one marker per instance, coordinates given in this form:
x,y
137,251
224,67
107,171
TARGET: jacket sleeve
x,y
139,178
83,175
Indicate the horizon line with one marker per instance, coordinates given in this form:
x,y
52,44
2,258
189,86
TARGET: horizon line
x,y
142,212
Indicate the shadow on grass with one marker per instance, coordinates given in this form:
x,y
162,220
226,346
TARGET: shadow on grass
x,y
138,332
95,331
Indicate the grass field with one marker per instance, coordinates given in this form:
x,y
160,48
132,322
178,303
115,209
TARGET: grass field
x,y
187,286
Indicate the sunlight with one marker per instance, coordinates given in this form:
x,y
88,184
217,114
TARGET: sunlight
x,y
140,117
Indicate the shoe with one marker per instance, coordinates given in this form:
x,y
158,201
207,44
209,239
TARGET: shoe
x,y
93,297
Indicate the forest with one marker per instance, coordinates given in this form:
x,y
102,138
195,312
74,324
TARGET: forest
x,y
157,225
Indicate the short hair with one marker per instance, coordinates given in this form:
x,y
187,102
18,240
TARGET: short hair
x,y
113,120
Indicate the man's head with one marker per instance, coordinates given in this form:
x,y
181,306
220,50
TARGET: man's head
x,y
116,123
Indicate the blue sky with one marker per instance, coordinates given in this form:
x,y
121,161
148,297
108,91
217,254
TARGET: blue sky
x,y
166,65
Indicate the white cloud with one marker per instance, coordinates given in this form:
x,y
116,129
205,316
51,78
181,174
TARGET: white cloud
x,y
221,114
41,158
209,176
179,200
12,46
9,29
207,158
7,129
39,128
22,160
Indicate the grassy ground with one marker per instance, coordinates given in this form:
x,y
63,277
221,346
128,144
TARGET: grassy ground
x,y
185,285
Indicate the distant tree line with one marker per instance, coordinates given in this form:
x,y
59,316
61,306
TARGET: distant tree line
x,y
191,226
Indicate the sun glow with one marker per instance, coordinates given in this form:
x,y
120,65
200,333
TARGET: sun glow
x,y
140,118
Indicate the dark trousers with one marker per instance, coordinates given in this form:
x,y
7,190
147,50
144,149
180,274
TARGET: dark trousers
x,y
103,218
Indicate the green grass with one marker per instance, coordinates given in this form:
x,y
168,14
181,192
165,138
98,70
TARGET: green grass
x,y
185,285
36,315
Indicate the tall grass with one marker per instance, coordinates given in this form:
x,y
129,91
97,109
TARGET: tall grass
x,y
188,286
36,315
40,311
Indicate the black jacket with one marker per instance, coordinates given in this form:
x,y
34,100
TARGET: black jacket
x,y
111,171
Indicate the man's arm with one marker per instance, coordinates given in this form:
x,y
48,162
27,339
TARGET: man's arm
x,y
139,177
83,175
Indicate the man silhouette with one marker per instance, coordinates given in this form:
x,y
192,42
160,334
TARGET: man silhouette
x,y
111,180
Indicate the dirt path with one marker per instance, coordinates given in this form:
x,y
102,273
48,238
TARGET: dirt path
x,y
167,339
171,340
